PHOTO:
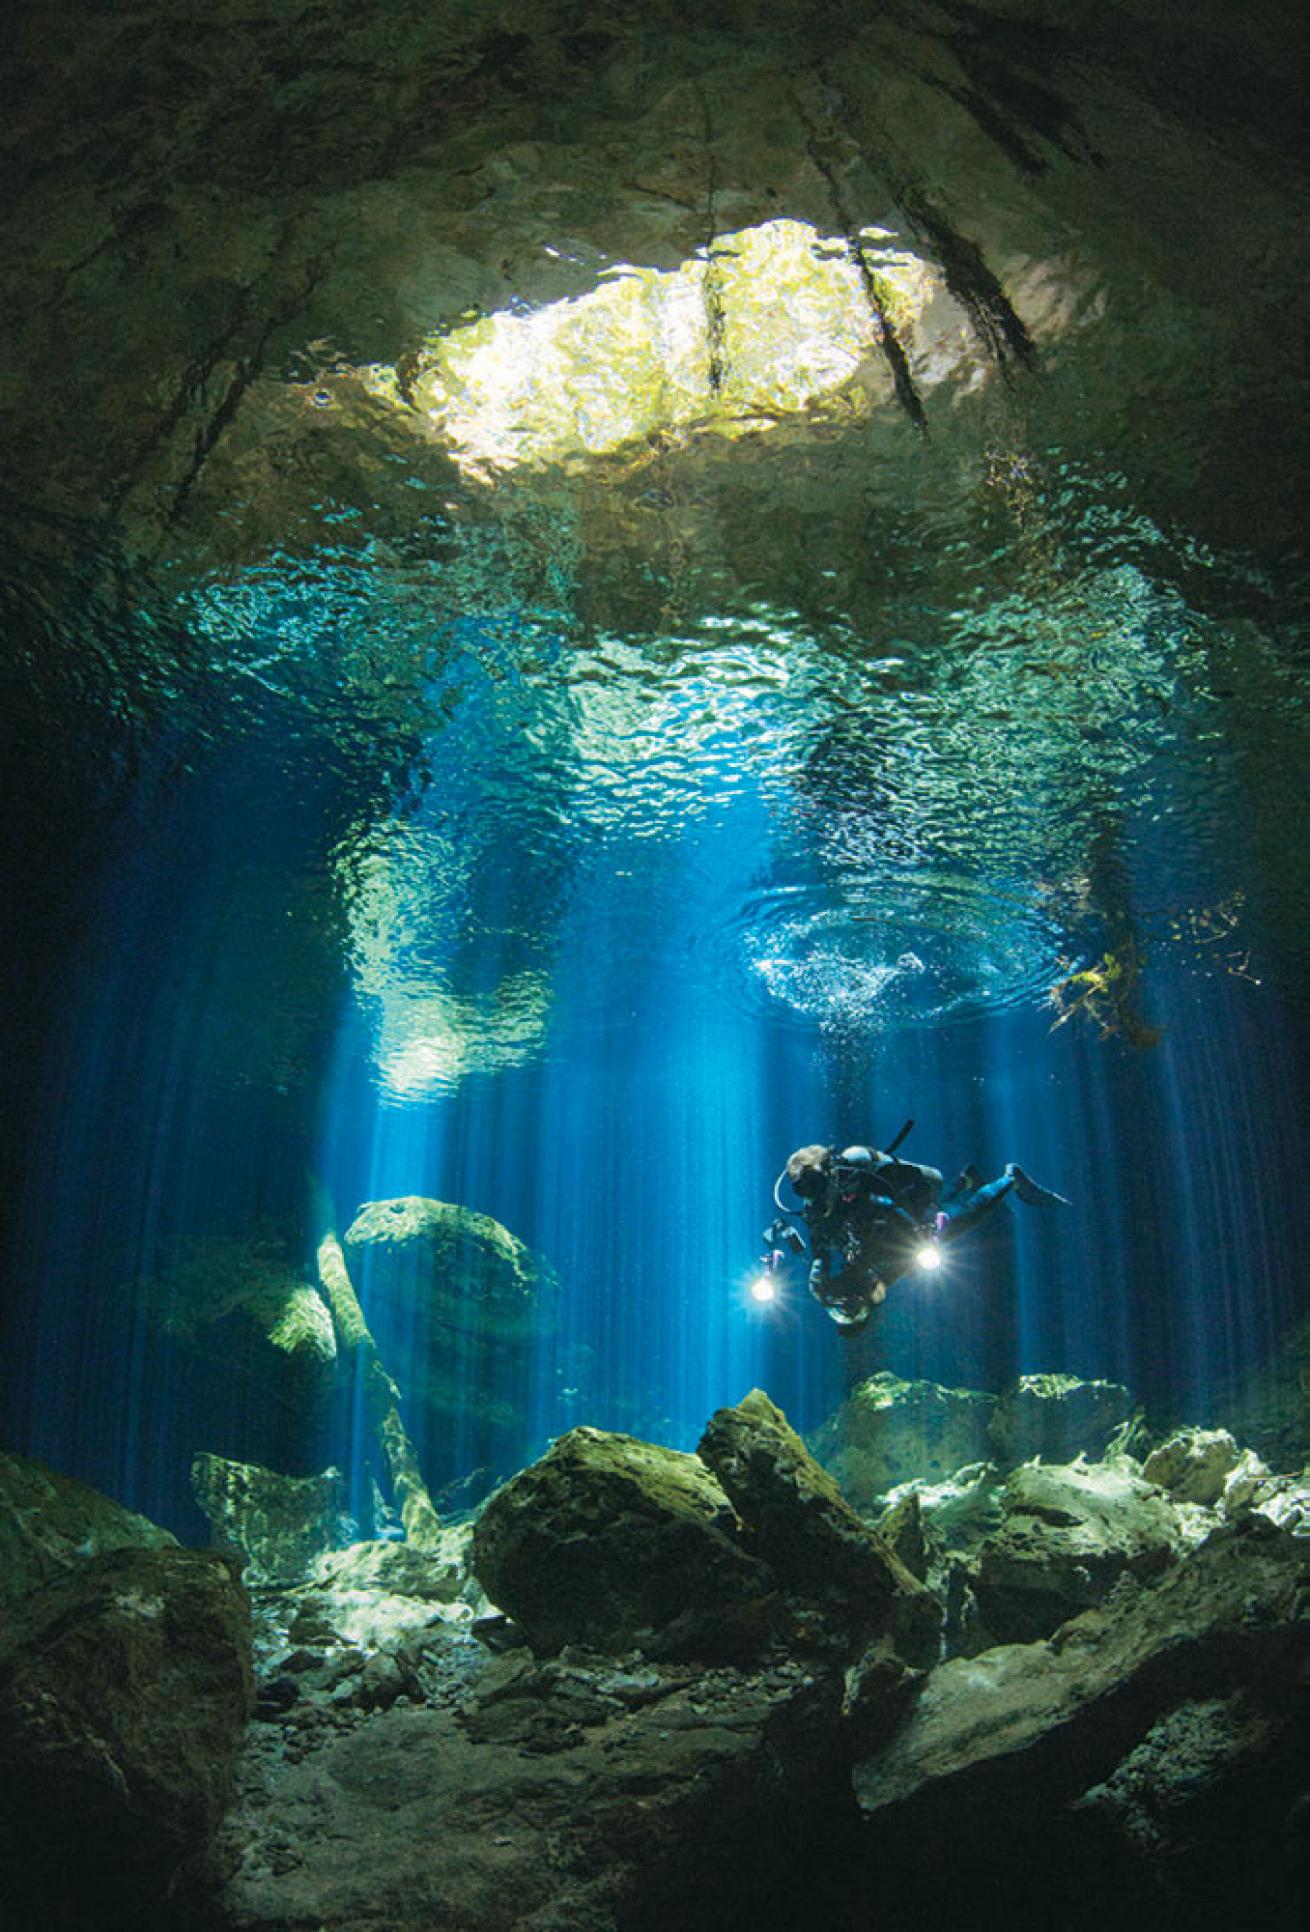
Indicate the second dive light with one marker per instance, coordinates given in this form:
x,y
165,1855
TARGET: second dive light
x,y
780,1239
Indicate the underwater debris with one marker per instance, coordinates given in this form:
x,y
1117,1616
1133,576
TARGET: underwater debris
x,y
1104,994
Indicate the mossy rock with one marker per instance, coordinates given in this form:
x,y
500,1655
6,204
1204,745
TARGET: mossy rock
x,y
1068,1535
613,1543
452,1266
824,1554
50,1524
889,1432
1057,1417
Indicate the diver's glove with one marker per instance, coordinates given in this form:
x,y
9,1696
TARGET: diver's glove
x,y
1028,1191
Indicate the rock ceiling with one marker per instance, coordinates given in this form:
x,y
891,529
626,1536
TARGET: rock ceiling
x,y
617,316
246,242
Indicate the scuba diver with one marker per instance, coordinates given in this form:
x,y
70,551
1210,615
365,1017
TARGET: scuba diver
x,y
872,1218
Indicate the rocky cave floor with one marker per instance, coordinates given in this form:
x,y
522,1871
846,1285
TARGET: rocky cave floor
x,y
769,1684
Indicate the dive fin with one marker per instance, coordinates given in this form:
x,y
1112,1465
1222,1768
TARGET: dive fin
x,y
1030,1194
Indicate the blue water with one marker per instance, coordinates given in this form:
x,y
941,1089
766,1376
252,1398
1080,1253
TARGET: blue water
x,y
619,924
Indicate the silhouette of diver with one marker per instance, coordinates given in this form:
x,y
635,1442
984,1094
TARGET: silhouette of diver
x,y
872,1218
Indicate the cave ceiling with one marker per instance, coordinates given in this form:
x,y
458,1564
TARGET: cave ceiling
x,y
241,240
622,325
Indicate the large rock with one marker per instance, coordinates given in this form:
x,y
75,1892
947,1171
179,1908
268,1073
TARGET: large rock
x,y
1068,1534
225,1291
796,1519
50,1523
279,1525
1194,1465
1057,1417
1207,1778
455,1268
1154,1750
125,1687
1284,1500
613,1542
889,1432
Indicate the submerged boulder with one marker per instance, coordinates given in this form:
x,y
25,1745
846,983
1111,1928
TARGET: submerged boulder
x,y
1207,1771
250,1283
460,1269
125,1688
955,1515
1284,1500
1057,1417
1154,1750
51,1523
278,1524
1067,1536
795,1517
889,1432
613,1542
1194,1465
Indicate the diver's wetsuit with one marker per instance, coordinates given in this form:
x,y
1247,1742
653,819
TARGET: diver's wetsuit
x,y
868,1225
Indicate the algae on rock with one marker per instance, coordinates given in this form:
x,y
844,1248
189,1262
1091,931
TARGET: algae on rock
x,y
747,1546
794,1517
612,1542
